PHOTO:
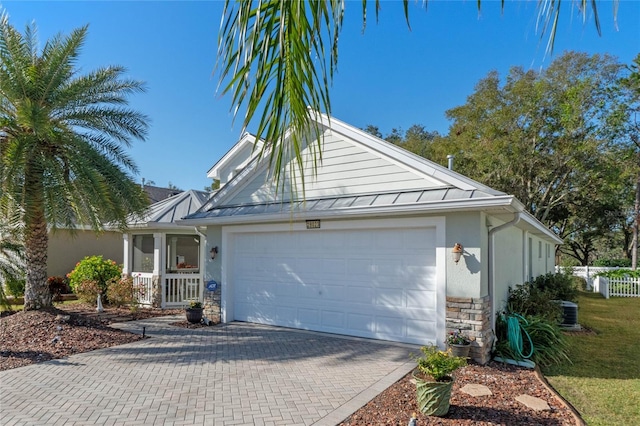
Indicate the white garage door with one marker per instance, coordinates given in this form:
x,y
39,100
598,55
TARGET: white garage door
x,y
377,283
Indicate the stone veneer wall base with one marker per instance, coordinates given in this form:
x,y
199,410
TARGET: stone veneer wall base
x,y
472,317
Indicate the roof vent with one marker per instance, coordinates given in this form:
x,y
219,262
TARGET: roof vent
x,y
450,161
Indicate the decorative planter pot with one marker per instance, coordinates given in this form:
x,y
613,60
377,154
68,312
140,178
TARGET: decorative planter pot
x,y
460,350
194,315
433,397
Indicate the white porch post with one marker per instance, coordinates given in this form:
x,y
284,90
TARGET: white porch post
x,y
158,285
126,258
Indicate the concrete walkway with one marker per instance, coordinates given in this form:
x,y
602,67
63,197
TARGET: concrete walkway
x,y
233,374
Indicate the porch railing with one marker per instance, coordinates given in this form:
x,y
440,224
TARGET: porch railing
x,y
180,289
143,287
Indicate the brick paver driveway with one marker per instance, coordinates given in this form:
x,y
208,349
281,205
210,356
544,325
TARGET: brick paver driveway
x,y
228,375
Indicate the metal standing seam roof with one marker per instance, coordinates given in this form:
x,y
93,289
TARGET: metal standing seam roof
x,y
173,208
397,198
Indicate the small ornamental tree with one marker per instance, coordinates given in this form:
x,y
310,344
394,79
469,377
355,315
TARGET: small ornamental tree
x,y
97,269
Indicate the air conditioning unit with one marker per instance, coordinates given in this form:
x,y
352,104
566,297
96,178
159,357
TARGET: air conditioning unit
x,y
569,314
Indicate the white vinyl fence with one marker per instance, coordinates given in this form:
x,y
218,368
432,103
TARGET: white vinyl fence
x,y
608,287
617,287
588,273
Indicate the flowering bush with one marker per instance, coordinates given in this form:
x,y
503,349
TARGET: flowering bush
x,y
94,268
87,291
121,292
457,338
57,287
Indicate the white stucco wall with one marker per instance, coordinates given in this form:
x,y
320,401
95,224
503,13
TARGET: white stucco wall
x,y
509,261
468,277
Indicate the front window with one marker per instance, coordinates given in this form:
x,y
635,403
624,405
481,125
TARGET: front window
x,y
183,253
143,253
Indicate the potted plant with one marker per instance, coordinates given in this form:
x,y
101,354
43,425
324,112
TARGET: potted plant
x,y
434,379
194,312
458,343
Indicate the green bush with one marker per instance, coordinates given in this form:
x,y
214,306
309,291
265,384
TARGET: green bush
x,y
621,273
120,292
540,296
88,291
94,268
15,287
526,299
560,286
613,263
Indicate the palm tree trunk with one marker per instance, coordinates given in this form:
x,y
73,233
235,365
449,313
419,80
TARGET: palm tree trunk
x,y
36,242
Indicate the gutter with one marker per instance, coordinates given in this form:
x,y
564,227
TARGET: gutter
x,y
491,268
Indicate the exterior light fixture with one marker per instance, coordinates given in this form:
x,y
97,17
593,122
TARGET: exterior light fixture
x,y
213,252
457,252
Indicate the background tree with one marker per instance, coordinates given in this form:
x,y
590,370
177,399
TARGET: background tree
x,y
276,58
545,138
63,137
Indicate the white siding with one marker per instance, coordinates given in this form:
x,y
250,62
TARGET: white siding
x,y
347,168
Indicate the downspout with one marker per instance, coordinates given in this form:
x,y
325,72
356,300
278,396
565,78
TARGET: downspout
x,y
491,268
203,254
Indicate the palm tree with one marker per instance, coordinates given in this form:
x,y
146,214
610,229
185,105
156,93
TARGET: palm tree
x,y
63,138
277,58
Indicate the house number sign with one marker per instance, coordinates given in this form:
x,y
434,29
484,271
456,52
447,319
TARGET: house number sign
x,y
313,224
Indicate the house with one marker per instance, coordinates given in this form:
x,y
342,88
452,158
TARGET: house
x,y
165,259
67,247
368,251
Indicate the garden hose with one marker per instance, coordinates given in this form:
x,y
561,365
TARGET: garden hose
x,y
514,335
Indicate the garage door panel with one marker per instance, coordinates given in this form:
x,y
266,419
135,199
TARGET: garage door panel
x,y
420,299
332,292
390,326
393,298
360,322
309,317
309,291
421,329
360,295
333,319
376,283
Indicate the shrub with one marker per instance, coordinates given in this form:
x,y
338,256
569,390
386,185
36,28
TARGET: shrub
x,y
526,299
87,291
560,286
120,292
94,268
57,287
621,273
613,263
540,296
15,287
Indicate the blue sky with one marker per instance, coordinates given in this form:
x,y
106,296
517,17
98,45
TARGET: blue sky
x,y
389,76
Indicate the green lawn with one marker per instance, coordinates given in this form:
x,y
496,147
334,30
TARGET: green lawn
x,y
603,383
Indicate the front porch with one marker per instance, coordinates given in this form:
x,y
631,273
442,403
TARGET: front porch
x,y
170,291
165,268
165,260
